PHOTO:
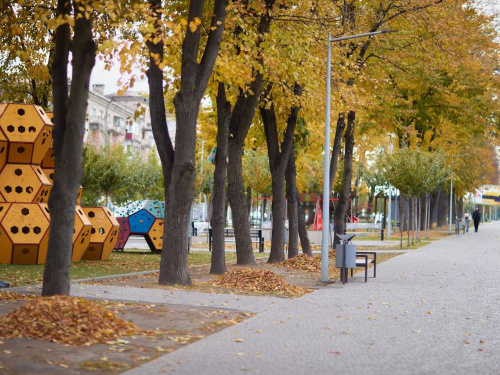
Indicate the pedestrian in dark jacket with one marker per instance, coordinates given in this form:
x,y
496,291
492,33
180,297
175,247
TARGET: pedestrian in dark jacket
x,y
476,216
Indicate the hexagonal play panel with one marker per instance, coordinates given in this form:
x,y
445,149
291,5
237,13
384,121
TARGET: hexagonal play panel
x,y
104,233
24,183
28,130
24,233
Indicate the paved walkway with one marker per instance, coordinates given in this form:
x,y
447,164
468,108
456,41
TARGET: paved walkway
x,y
435,310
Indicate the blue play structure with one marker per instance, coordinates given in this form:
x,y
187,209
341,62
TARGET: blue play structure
x,y
144,217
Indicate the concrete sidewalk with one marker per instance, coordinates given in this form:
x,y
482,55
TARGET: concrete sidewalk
x,y
435,310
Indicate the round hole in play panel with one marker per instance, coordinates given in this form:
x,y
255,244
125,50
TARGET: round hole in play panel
x,y
25,230
21,129
47,209
92,230
8,189
19,189
2,149
20,150
101,230
25,251
37,230
25,211
14,229
32,129
91,249
29,189
18,172
11,128
91,214
21,112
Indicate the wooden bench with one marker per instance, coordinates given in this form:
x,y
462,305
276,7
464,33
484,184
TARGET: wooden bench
x,y
255,235
364,259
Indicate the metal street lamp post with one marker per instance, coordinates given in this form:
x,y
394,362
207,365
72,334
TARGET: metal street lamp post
x,y
326,164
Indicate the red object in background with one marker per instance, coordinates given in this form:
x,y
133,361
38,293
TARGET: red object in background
x,y
318,219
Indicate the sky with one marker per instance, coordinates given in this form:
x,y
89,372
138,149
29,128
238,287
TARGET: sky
x,y
110,78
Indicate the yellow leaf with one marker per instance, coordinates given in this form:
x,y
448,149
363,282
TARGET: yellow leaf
x,y
192,26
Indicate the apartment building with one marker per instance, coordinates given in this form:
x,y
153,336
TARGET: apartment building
x,y
112,116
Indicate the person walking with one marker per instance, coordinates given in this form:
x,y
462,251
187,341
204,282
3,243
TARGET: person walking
x,y
467,220
476,216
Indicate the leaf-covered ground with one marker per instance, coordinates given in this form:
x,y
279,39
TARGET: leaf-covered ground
x,y
166,328
257,280
65,320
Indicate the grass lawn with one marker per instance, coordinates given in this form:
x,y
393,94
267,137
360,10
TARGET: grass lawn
x,y
118,263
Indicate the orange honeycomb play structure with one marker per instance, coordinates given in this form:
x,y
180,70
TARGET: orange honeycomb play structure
x,y
3,150
26,176
81,235
49,172
103,235
24,233
28,130
24,183
154,237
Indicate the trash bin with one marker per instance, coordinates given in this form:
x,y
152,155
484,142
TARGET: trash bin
x,y
345,255
350,259
458,225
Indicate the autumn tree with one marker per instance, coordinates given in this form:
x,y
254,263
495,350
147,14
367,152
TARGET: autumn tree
x,y
70,107
179,164
27,53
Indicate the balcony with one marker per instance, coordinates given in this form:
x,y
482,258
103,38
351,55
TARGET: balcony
x,y
96,123
131,136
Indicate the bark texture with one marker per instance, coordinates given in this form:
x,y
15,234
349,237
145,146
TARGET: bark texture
x,y
218,221
179,165
292,207
278,162
337,146
241,119
69,129
342,205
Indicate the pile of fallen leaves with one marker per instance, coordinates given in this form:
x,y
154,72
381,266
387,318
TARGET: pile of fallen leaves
x,y
257,280
303,262
14,297
66,320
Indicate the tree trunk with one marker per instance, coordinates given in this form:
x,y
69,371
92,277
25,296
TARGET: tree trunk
x,y
278,162
434,204
337,147
304,237
293,203
69,129
179,165
241,119
218,265
443,209
248,200
342,204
